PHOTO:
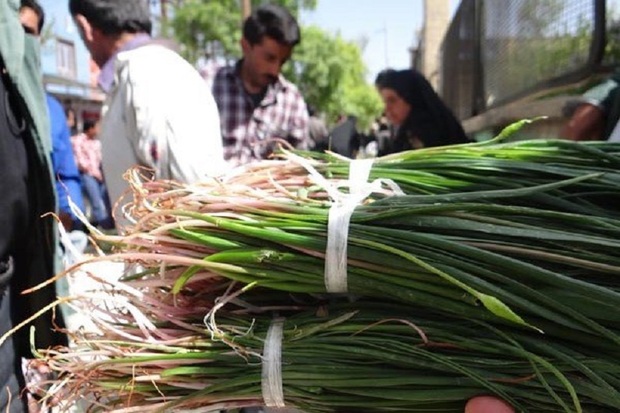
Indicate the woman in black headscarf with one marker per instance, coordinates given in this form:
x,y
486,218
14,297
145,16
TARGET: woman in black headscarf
x,y
418,113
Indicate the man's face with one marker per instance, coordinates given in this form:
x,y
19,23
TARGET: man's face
x,y
94,40
93,132
29,20
263,61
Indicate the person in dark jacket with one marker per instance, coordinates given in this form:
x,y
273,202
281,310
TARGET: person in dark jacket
x,y
317,130
344,139
27,240
421,118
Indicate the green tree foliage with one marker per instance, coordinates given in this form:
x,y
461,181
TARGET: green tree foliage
x,y
214,25
200,25
331,74
536,17
328,70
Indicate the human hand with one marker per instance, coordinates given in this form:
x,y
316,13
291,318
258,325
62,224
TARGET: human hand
x,y
586,123
488,404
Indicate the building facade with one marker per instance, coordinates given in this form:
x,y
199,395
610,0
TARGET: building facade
x,y
68,71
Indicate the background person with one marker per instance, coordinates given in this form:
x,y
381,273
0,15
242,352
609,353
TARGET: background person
x,y
27,241
158,112
87,149
595,115
344,138
256,103
71,121
419,115
317,131
68,185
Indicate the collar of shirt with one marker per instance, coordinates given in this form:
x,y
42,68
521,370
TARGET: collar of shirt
x,y
106,76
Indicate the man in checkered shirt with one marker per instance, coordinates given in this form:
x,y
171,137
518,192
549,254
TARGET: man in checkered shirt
x,y
258,106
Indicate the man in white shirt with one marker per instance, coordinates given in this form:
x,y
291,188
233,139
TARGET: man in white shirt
x,y
158,112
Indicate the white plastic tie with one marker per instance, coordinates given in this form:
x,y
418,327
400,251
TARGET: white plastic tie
x,y
271,375
339,218
336,255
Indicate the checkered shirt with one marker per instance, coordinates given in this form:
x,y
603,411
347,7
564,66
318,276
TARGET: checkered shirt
x,y
249,132
87,154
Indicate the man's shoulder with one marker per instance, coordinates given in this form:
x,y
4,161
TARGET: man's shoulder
x,y
152,62
289,87
290,92
220,79
149,52
212,71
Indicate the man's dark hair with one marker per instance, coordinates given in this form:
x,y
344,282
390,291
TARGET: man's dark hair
x,y
114,17
88,125
37,9
272,21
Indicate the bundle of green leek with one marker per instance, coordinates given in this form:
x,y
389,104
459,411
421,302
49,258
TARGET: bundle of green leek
x,y
382,357
483,268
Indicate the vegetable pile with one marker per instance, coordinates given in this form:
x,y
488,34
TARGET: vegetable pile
x,y
486,268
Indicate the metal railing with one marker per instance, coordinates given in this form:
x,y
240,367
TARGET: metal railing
x,y
497,51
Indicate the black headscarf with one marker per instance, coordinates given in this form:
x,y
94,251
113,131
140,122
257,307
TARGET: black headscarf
x,y
429,120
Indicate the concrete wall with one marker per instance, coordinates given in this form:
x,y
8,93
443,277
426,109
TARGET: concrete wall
x,y
436,21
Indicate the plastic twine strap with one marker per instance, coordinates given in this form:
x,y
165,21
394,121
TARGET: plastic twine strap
x,y
271,375
343,206
338,225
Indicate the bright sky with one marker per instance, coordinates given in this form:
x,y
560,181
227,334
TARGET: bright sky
x,y
390,26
